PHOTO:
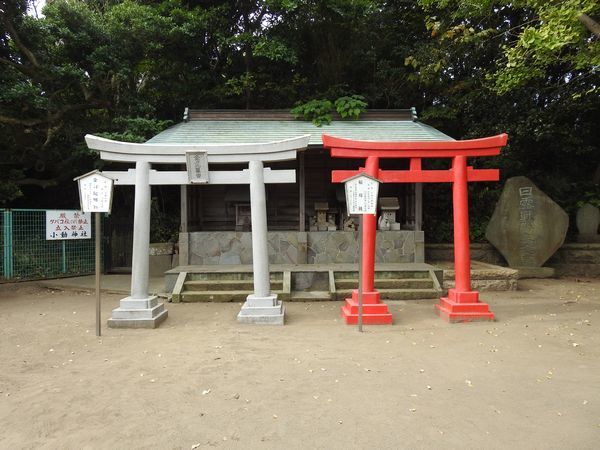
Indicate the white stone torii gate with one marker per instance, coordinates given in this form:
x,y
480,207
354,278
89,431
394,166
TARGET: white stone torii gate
x,y
140,310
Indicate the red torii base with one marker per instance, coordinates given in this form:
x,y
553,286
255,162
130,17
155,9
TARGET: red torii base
x,y
462,303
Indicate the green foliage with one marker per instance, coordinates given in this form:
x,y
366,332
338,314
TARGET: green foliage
x,y
9,189
591,196
318,112
135,129
240,85
275,50
350,107
551,37
164,225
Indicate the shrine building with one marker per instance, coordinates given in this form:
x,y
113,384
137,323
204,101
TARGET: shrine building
x,y
263,210
307,220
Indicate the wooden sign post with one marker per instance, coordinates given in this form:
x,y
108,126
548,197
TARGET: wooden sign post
x,y
95,195
361,198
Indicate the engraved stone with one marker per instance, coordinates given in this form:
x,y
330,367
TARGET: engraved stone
x,y
527,226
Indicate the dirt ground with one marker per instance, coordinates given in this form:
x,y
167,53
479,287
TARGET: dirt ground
x,y
530,380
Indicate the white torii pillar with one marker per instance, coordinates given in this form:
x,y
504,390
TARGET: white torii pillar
x,y
142,310
262,306
141,237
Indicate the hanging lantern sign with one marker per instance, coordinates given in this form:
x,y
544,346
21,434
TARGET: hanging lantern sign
x,y
95,191
361,194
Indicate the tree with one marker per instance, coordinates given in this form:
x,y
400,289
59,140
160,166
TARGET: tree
x,y
491,77
85,67
126,69
557,34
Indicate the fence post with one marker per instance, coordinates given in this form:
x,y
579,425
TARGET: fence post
x,y
64,256
8,245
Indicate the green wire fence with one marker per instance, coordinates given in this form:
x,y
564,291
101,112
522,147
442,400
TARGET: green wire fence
x,y
25,254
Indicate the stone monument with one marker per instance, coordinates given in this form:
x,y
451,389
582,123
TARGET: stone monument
x,y
588,219
527,227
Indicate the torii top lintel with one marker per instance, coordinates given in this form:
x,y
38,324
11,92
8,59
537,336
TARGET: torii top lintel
x,y
283,150
415,151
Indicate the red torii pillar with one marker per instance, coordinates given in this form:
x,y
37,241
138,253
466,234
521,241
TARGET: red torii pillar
x,y
462,303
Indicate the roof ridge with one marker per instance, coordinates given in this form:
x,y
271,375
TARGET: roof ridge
x,y
284,114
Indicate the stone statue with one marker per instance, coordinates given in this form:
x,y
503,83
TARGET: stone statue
x,y
383,224
349,224
387,221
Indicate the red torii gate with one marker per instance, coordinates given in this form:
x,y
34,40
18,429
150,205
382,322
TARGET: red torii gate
x,y
462,303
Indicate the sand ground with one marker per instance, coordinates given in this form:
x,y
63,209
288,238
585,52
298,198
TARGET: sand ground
x,y
529,380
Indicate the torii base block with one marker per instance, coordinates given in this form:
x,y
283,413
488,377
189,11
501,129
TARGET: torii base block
x,y
374,311
262,310
463,307
138,313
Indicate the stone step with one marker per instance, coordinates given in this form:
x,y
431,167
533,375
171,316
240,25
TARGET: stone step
x,y
226,285
218,296
396,294
225,276
309,296
388,283
404,274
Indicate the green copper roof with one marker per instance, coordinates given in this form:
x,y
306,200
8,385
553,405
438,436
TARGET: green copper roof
x,y
211,129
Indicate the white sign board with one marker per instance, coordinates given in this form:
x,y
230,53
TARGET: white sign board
x,y
95,192
197,167
68,225
361,194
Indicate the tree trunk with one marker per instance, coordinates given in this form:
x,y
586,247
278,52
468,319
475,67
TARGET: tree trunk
x,y
590,23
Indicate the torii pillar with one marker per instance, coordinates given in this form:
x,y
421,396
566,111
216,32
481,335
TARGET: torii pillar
x,y
261,306
462,303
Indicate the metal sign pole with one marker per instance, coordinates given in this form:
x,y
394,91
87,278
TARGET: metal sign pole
x,y
98,229
360,270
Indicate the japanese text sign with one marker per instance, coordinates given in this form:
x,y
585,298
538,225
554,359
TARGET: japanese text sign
x,y
68,225
95,192
197,167
361,194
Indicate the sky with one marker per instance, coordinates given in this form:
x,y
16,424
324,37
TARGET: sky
x,y
39,4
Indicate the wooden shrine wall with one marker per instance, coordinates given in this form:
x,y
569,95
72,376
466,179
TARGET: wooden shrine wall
x,y
213,207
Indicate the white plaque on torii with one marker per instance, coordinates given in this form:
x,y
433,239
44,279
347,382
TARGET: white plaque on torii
x,y
197,167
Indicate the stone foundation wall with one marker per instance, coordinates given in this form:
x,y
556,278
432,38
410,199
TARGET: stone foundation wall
x,y
577,260
293,247
342,247
479,252
569,260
